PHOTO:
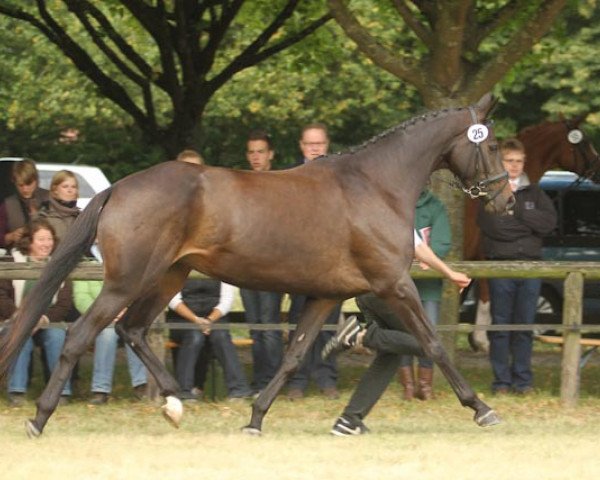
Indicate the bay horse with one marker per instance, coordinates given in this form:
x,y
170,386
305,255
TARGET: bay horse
x,y
350,231
548,145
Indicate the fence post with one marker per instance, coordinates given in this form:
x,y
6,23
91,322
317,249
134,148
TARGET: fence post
x,y
572,316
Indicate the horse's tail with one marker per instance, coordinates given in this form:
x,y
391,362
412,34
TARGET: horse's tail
x,y
76,242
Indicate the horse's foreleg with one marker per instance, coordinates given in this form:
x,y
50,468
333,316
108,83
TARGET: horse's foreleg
x,y
79,336
311,320
405,302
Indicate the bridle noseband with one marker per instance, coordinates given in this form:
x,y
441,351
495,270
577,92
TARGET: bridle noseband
x,y
480,189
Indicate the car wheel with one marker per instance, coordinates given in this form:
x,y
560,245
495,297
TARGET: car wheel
x,y
549,307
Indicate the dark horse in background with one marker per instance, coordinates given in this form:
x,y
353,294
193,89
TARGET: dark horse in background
x,y
549,145
350,232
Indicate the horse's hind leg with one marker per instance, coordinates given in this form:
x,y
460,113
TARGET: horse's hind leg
x,y
132,328
79,336
309,324
405,302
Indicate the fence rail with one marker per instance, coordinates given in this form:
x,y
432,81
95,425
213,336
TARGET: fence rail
x,y
573,273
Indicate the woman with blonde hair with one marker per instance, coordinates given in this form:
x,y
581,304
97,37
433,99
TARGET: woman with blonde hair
x,y
61,209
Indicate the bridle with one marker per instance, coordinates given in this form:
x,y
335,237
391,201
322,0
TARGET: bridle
x,y
481,188
578,141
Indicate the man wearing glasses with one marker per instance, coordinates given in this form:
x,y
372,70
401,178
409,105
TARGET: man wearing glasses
x,y
514,300
314,143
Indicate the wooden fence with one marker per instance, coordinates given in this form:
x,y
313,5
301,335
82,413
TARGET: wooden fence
x,y
573,274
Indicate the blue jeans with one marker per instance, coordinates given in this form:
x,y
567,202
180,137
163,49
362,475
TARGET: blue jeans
x,y
226,353
105,352
324,372
190,342
52,340
432,309
512,301
267,347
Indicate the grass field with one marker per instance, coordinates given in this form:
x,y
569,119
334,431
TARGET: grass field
x,y
436,440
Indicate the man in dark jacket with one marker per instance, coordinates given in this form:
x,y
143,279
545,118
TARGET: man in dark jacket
x,y
514,301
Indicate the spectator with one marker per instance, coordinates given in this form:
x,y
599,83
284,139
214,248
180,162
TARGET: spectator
x,y
23,205
105,350
262,307
514,301
190,156
314,143
204,302
37,242
433,226
61,210
385,334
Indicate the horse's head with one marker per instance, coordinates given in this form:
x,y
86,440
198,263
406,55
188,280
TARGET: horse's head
x,y
475,158
578,151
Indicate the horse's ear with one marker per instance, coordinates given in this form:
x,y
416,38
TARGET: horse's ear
x,y
578,119
486,104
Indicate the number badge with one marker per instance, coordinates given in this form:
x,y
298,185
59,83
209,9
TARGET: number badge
x,y
477,133
575,136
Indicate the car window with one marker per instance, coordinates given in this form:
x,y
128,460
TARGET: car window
x,y
580,214
85,189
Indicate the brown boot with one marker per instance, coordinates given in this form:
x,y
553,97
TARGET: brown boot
x,y
425,391
406,377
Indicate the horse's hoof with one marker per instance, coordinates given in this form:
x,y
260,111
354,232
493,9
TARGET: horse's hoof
x,y
488,419
31,430
173,411
248,430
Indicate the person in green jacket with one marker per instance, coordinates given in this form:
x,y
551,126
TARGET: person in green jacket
x,y
105,350
433,226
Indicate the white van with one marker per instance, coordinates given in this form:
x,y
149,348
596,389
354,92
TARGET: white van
x,y
91,179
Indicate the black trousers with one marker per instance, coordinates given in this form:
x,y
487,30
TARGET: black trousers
x,y
387,336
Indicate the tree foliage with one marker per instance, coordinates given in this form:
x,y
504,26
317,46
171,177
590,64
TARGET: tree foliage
x,y
452,52
161,62
322,78
559,76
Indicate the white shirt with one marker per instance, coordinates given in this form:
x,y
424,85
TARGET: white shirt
x,y
225,299
418,240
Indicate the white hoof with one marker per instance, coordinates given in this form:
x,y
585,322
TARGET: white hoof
x,y
255,432
173,411
31,429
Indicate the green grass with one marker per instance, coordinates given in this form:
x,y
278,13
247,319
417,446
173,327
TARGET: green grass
x,y
538,439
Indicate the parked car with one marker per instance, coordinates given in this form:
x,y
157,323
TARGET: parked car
x,y
91,179
576,238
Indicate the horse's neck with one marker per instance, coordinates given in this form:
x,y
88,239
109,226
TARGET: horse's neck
x,y
406,159
542,150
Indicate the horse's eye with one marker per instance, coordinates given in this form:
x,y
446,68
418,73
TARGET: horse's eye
x,y
493,147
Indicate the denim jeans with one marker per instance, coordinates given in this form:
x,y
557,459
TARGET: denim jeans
x,y
226,353
267,347
512,301
324,372
432,310
105,352
52,340
190,343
